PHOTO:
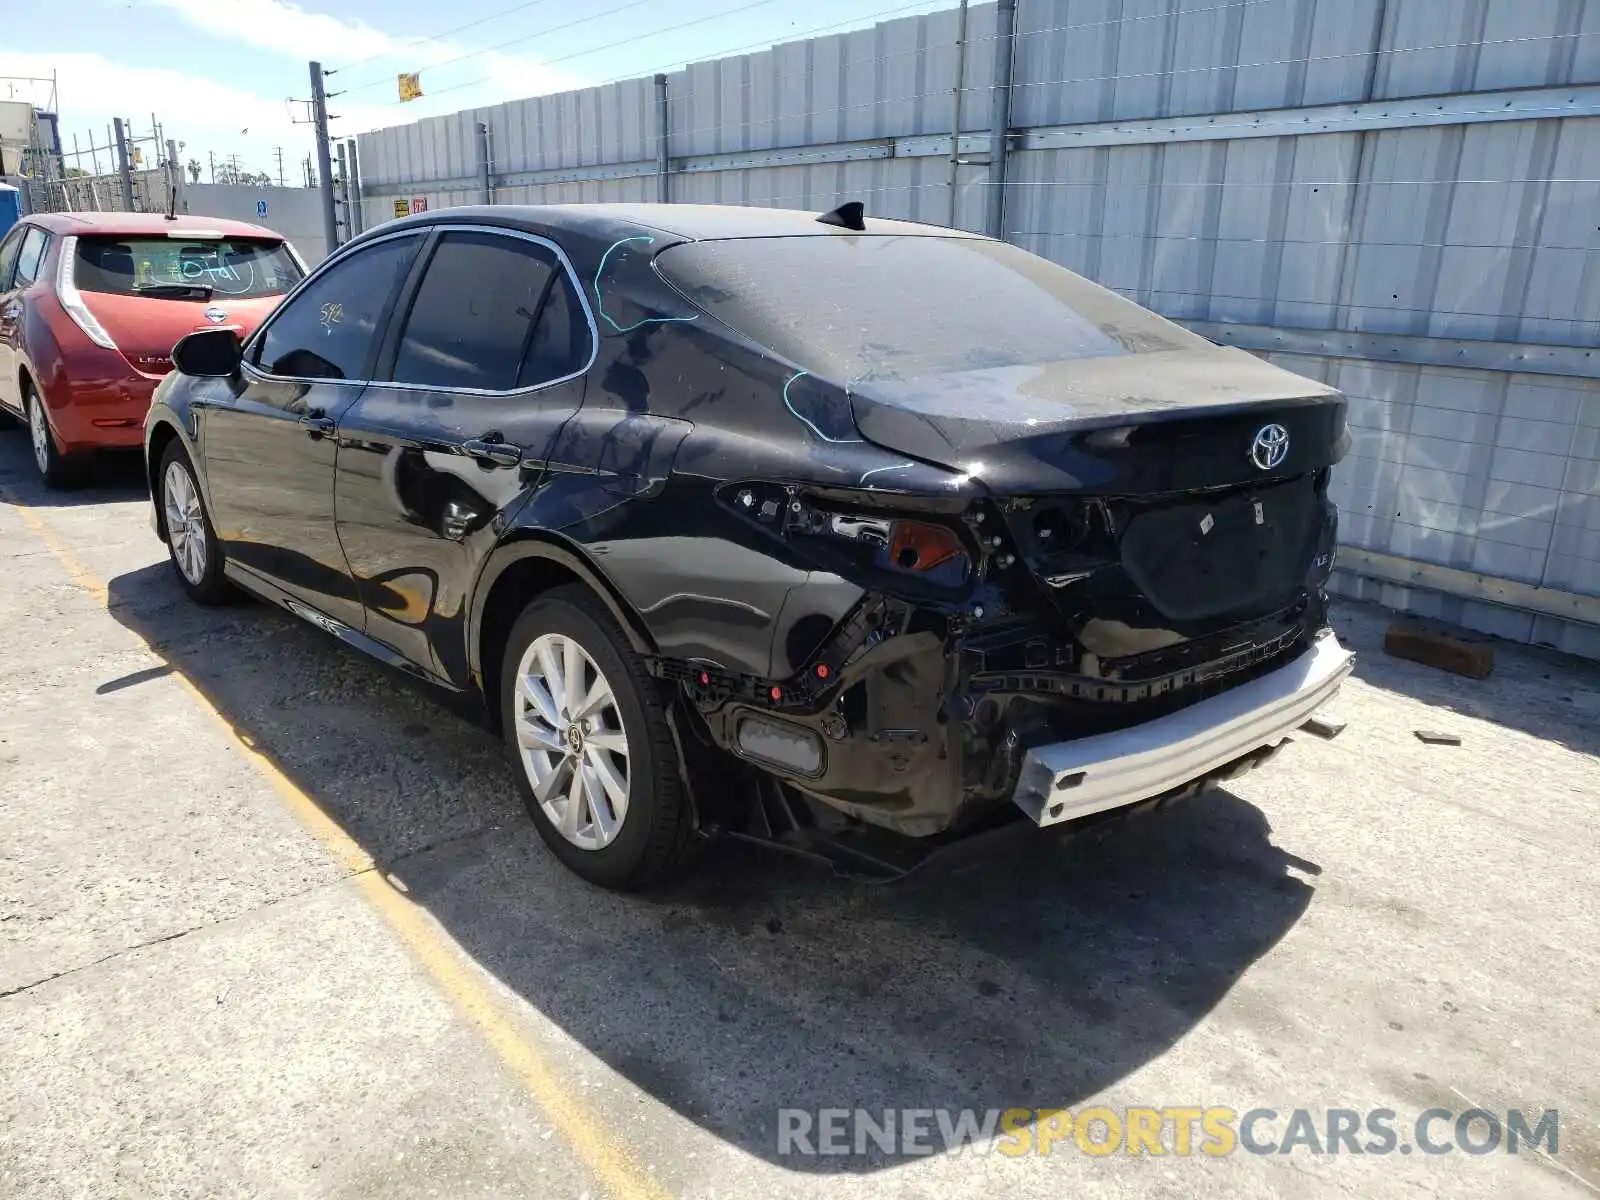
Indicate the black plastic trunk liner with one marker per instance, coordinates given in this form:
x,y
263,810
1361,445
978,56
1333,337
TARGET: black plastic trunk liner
x,y
1235,553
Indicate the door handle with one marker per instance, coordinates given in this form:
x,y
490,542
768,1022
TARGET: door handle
x,y
315,424
502,454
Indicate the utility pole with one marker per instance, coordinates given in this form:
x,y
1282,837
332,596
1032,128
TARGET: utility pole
x,y
123,168
277,153
319,117
211,157
174,176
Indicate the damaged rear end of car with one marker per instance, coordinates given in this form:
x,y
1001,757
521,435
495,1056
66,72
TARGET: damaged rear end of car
x,y
1091,564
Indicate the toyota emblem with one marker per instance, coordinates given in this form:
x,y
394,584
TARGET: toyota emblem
x,y
1270,447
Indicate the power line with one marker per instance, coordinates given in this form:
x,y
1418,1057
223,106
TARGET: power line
x,y
434,37
639,37
790,37
361,87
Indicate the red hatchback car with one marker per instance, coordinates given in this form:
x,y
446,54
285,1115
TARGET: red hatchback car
x,y
92,303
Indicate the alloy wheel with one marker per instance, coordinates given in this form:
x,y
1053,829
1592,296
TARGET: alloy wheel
x,y
186,526
39,431
573,745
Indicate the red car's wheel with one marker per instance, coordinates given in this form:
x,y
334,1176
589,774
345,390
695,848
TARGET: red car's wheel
x,y
54,467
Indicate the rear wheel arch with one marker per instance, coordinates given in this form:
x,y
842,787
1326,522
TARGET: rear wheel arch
x,y
516,574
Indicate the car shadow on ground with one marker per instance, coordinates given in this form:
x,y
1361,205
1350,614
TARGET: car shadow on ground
x,y
762,982
104,478
1550,695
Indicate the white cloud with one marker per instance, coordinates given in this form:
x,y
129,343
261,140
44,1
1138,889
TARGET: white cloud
x,y
291,31
285,28
201,112
211,115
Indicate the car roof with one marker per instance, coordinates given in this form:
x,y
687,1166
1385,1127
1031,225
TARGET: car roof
x,y
147,224
693,222
710,221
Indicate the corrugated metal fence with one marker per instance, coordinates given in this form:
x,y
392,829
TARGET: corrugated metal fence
x,y
1401,197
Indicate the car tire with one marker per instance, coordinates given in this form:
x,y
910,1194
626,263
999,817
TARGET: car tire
x,y
55,469
569,781
192,544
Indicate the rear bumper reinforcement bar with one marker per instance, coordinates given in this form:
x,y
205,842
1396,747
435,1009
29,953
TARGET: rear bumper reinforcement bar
x,y
1066,780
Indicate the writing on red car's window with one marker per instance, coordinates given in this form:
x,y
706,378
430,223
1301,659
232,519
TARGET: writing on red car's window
x,y
182,268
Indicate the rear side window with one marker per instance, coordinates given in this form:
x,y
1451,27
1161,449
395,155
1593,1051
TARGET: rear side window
x,y
898,307
31,257
560,345
328,331
492,313
184,268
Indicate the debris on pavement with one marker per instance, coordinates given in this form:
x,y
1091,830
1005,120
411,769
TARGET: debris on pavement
x,y
1432,648
1434,738
1325,727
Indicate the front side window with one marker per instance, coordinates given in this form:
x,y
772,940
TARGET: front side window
x,y
31,256
184,268
329,330
492,313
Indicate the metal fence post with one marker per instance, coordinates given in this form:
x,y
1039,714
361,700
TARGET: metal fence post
x,y
342,196
357,221
955,110
485,165
1005,18
663,162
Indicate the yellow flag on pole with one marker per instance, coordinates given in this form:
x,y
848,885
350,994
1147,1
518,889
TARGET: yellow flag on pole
x,y
410,85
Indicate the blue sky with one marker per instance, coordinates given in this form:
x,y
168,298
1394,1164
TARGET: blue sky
x,y
216,73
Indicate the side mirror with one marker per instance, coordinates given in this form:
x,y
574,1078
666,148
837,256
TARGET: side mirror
x,y
215,353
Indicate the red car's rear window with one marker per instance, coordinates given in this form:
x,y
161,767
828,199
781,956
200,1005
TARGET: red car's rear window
x,y
162,266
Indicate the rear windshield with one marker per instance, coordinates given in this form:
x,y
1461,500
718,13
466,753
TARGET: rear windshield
x,y
898,307
184,268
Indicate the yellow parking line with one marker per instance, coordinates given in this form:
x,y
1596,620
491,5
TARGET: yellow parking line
x,y
612,1167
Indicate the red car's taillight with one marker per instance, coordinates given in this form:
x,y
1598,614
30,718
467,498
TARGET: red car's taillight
x,y
72,299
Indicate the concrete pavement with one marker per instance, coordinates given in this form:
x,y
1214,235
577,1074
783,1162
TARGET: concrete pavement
x,y
273,923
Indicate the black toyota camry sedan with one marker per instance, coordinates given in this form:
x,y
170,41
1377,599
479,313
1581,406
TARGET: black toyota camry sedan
x,y
829,530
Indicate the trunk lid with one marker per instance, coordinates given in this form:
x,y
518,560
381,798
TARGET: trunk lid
x,y
149,289
146,328
1130,424
1169,508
